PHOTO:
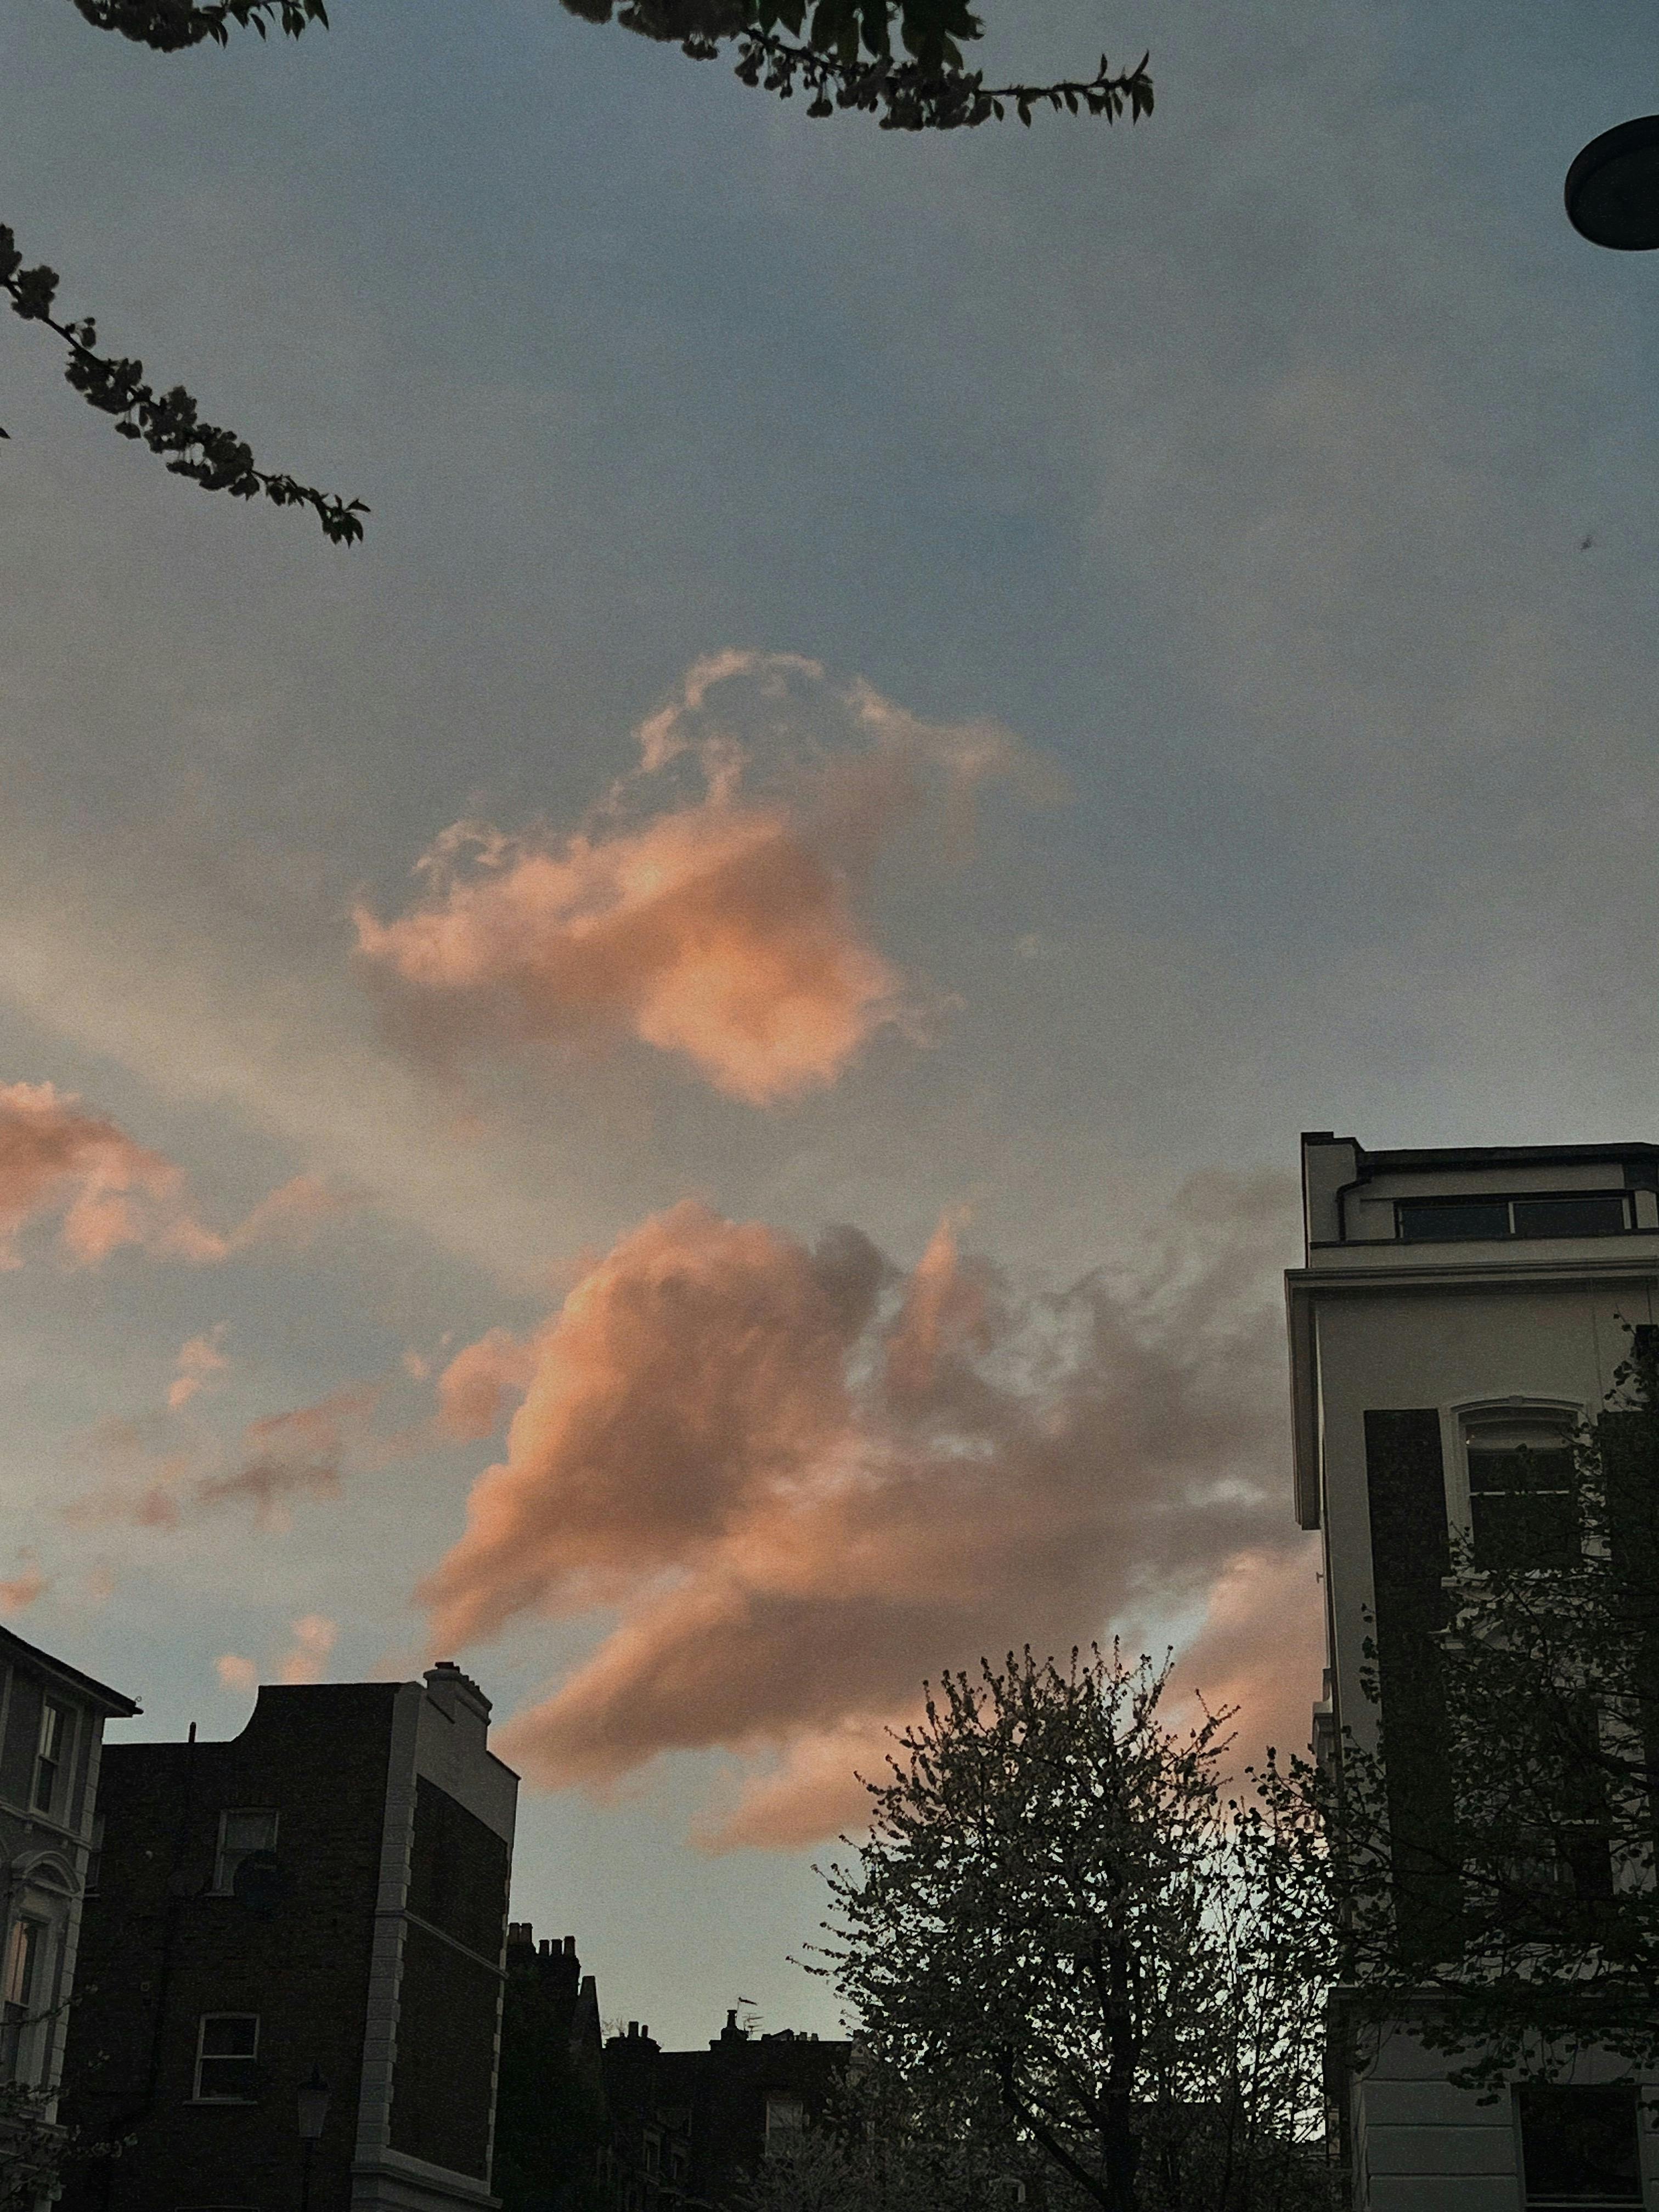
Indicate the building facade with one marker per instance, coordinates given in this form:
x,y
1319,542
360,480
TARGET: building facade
x,y
322,1898
1459,1314
52,1730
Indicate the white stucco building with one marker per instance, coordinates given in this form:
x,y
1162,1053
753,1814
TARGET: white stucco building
x,y
1455,1306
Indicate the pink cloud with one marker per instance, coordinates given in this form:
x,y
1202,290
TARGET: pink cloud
x,y
805,1482
18,1592
60,1160
199,1363
280,1459
315,1639
236,1673
721,928
479,1383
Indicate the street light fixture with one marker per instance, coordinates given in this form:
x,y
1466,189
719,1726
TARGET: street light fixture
x,y
313,2110
1612,188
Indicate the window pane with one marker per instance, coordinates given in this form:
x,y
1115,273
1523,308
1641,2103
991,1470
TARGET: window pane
x,y
22,1951
1523,1507
250,1831
225,2068
1518,1530
1588,1216
1579,2146
1439,1220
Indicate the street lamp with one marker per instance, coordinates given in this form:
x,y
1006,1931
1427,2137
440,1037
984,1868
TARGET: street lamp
x,y
313,2110
1612,188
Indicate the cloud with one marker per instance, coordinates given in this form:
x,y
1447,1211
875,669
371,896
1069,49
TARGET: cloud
x,y
60,1160
718,925
474,1389
314,1637
236,1673
280,1458
805,1481
199,1362
20,1591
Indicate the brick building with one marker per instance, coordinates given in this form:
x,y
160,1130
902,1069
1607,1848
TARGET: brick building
x,y
552,2132
51,1726
727,2105
325,1893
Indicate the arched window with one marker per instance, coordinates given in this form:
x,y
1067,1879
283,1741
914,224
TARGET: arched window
x,y
1523,1503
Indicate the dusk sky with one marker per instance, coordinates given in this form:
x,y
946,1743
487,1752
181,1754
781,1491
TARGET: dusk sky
x,y
679,1077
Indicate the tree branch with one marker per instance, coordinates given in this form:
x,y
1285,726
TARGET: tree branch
x,y
167,422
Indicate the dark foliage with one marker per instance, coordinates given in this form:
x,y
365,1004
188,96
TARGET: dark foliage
x,y
841,53
899,60
1513,1913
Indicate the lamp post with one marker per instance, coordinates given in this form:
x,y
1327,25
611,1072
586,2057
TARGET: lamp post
x,y
1612,188
313,2110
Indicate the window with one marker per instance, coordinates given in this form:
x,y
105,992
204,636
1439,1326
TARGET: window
x,y
226,2049
1493,1220
241,1833
1523,1507
26,1944
785,2118
1578,2147
50,1748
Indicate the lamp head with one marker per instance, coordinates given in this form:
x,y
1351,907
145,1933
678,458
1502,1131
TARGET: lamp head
x,y
1612,188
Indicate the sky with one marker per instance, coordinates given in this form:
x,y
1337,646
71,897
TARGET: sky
x,y
679,1077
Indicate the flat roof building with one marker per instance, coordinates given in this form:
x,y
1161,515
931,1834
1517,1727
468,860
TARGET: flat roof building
x,y
1461,1312
322,1898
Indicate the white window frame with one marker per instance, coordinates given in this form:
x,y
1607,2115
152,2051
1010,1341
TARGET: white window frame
x,y
1455,1421
251,2057
224,1869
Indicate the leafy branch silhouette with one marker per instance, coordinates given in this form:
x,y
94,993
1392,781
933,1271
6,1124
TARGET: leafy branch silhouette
x,y
841,54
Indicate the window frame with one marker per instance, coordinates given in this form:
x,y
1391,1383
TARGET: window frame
x,y
224,1875
1491,1408
250,2059
1432,1201
1535,2199
54,1751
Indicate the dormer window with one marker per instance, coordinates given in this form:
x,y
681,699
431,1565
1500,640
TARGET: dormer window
x,y
1523,1506
1496,1221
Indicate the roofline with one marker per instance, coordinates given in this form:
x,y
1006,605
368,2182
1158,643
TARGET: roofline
x,y
1468,1156
114,1702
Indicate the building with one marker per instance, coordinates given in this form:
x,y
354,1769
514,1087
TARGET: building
x,y
1459,1313
51,1731
738,2099
553,2149
323,1898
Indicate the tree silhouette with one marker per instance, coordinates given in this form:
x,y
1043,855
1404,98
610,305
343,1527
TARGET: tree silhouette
x,y
899,60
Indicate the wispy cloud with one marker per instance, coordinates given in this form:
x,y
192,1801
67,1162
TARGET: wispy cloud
x,y
62,1160
279,1460
199,1364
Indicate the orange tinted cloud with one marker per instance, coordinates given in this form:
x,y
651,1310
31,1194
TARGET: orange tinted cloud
x,y
314,1637
281,1458
199,1364
475,1389
807,1482
60,1160
18,1592
719,926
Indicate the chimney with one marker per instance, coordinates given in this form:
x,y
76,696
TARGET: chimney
x,y
453,1692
